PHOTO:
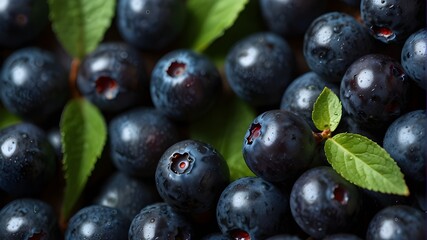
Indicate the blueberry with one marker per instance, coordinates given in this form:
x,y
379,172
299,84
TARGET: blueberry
x,y
392,20
184,84
97,222
278,145
406,140
332,42
284,237
216,236
414,57
127,194
191,175
54,138
397,222
284,17
259,68
27,218
138,138
151,24
301,94
27,160
22,21
33,84
252,208
374,90
342,236
113,77
160,221
323,203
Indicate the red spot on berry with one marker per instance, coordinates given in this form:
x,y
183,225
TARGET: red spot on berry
x,y
176,69
240,235
180,163
383,32
340,194
255,132
107,87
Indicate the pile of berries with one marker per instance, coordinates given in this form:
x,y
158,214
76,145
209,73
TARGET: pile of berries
x,y
154,181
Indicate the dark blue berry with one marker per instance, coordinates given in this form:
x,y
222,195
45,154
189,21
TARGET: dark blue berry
x,y
333,41
278,145
397,222
151,24
284,237
28,218
342,236
27,160
284,17
184,84
22,21
414,57
259,68
216,236
374,90
160,221
33,84
96,222
113,77
323,203
138,138
127,194
252,208
406,140
54,138
301,94
392,20
191,175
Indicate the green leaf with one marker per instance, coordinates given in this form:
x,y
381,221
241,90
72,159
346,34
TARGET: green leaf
x,y
80,24
208,19
7,118
224,127
327,111
364,163
83,131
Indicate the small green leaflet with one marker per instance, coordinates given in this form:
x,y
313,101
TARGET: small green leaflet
x,y
327,111
224,127
208,19
7,118
80,24
83,131
364,163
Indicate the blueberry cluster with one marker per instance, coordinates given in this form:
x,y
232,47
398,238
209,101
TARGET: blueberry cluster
x,y
154,181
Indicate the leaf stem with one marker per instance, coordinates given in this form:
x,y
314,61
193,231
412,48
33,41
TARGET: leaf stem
x,y
322,136
75,64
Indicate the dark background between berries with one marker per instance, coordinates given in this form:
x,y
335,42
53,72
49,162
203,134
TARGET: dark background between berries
x,y
104,167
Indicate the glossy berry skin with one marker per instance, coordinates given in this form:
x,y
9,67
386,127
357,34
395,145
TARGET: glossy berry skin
x,y
259,67
138,138
97,222
414,57
301,94
323,203
278,145
406,140
184,84
284,17
33,85
397,222
333,41
113,77
245,206
22,21
191,175
151,25
27,160
160,221
28,218
342,236
127,194
374,90
392,20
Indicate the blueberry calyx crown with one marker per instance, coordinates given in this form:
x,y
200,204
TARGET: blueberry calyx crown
x,y
180,163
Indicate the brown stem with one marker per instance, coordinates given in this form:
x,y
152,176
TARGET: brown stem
x,y
320,137
75,64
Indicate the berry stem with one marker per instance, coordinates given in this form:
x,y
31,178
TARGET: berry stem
x,y
75,64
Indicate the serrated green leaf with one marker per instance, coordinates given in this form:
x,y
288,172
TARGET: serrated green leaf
x,y
364,163
80,25
327,111
224,127
83,133
208,20
7,118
